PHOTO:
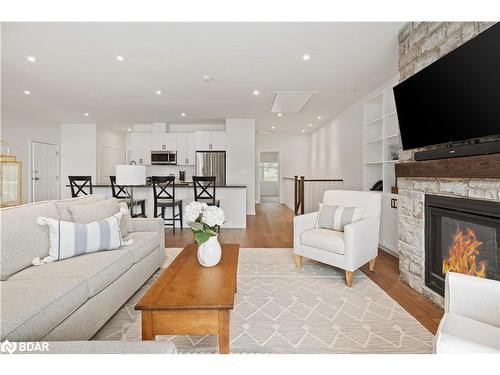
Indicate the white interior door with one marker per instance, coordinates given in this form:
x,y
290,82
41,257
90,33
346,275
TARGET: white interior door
x,y
45,171
109,157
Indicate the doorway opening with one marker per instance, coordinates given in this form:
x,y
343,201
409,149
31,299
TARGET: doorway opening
x,y
44,171
269,177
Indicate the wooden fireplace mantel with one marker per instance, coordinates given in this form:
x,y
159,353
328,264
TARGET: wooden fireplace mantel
x,y
482,166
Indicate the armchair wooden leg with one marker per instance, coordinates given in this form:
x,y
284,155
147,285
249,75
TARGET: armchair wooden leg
x,y
348,278
298,261
372,264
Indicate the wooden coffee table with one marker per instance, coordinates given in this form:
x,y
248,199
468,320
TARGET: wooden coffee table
x,y
189,299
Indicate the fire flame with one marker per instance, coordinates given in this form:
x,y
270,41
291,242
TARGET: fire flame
x,y
462,255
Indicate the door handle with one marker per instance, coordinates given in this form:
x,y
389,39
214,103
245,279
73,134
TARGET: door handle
x,y
36,178
394,202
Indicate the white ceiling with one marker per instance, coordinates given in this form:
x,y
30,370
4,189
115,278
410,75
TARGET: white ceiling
x,y
77,72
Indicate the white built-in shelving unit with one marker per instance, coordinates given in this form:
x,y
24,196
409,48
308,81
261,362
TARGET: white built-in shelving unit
x,y
381,137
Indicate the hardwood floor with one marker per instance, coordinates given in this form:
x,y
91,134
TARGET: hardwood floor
x,y
272,227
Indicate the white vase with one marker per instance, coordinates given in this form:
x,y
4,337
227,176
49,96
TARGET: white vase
x,y
210,252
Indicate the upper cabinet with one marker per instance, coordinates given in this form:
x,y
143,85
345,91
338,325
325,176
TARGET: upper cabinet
x,y
140,148
163,142
185,148
210,141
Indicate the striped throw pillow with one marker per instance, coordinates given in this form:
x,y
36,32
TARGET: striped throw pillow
x,y
68,239
337,217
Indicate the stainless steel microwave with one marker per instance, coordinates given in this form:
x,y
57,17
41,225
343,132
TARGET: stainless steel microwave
x,y
164,157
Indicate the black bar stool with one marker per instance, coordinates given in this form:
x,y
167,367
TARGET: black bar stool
x,y
165,198
78,184
120,193
204,190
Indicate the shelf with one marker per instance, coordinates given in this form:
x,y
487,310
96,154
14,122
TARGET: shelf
x,y
374,140
392,135
391,161
372,122
373,162
391,114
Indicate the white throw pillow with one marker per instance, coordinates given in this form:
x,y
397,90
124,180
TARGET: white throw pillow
x,y
69,239
337,217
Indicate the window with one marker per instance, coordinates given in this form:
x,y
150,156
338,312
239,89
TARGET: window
x,y
269,172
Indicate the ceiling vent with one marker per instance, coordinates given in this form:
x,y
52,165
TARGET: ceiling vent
x,y
290,101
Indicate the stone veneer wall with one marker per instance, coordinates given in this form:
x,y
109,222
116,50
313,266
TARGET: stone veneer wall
x,y
420,44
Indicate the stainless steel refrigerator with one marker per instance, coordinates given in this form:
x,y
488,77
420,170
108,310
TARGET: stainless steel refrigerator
x,y
211,163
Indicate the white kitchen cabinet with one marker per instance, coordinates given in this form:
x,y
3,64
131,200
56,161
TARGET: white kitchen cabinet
x,y
185,148
140,148
163,142
210,140
389,235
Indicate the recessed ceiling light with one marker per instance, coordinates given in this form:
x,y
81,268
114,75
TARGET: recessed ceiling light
x,y
280,114
310,125
86,114
158,92
303,131
120,58
31,59
256,92
129,129
273,127
208,78
319,117
306,57
183,114
27,92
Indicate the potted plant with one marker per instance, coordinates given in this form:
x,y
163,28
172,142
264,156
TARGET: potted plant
x,y
205,222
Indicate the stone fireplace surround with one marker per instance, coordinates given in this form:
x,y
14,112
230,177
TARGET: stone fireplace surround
x,y
412,220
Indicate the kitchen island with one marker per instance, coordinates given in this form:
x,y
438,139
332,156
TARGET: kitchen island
x,y
232,198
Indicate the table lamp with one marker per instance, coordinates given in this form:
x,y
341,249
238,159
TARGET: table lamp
x,y
130,176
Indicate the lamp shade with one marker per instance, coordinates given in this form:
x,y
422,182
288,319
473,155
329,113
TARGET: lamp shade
x,y
130,175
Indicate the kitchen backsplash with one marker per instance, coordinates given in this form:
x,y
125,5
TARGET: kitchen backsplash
x,y
165,170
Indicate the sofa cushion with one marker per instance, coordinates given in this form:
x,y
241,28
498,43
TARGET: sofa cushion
x,y
98,269
31,308
64,205
324,239
144,244
87,213
337,217
22,239
458,334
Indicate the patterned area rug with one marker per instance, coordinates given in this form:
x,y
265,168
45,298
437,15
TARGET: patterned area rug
x,y
279,309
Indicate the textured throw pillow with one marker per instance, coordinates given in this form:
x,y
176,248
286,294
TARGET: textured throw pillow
x,y
69,239
64,205
337,217
126,222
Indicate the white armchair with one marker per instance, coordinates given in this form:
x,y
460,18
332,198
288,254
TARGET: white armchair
x,y
471,323
348,250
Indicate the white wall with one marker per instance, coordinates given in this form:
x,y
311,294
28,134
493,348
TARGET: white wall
x,y
240,157
337,148
294,155
78,153
19,130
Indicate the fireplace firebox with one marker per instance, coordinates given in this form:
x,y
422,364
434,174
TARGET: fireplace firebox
x,y
461,235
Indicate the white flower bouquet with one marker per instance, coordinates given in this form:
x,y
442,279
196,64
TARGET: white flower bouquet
x,y
204,220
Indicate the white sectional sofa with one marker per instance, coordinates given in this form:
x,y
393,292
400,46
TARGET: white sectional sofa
x,y
70,299
471,323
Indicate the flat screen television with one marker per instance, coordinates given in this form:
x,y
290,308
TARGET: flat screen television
x,y
454,99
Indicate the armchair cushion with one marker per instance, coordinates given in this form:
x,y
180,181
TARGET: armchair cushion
x,y
324,239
